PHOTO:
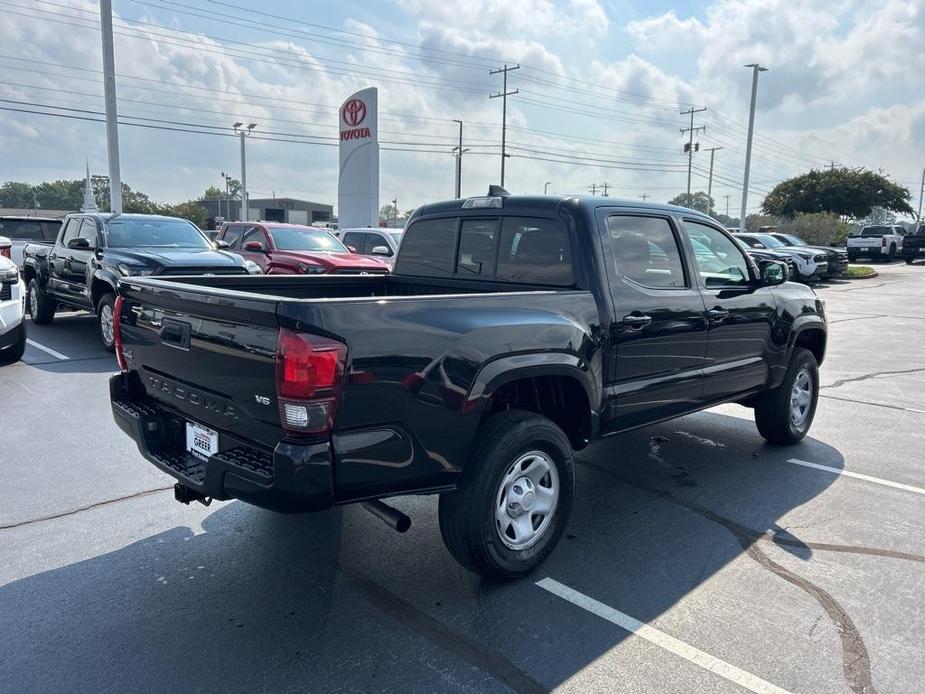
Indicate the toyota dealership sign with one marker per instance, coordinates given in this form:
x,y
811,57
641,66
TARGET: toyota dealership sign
x,y
358,183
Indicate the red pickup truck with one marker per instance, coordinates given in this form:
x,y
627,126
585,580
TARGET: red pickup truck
x,y
293,249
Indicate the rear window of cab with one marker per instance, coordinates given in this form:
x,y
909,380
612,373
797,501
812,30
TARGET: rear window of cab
x,y
520,250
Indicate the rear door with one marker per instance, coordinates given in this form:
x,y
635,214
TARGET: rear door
x,y
658,333
739,313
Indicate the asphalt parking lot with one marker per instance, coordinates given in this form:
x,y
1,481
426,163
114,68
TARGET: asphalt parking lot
x,y
697,559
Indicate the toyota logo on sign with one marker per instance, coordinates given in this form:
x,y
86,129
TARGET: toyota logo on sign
x,y
353,112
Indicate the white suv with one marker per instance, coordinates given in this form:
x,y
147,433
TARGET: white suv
x,y
877,241
12,307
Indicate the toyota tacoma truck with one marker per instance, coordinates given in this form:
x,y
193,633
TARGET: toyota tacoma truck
x,y
514,331
914,246
82,268
875,241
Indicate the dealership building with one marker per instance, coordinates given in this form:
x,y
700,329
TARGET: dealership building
x,y
288,210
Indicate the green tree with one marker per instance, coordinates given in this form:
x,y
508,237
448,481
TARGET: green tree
x,y
190,210
699,201
851,193
15,194
388,212
212,192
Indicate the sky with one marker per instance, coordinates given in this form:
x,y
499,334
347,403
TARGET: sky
x,y
601,88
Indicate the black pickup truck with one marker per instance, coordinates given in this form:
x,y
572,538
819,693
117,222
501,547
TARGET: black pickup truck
x,y
514,331
914,246
82,267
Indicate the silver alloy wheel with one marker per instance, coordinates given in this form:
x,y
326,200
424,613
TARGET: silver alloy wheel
x,y
801,397
526,500
33,302
106,323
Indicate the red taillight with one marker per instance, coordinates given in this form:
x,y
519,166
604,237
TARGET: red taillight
x,y
309,375
117,333
883,241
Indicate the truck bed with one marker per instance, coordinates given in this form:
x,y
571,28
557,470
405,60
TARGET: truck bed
x,y
205,349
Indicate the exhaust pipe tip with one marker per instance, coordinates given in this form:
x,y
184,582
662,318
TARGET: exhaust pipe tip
x,y
389,515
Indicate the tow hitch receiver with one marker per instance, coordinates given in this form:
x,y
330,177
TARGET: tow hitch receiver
x,y
185,495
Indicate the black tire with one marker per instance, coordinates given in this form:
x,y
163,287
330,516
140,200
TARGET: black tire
x,y
852,258
773,409
104,305
467,516
14,353
41,306
909,261
892,254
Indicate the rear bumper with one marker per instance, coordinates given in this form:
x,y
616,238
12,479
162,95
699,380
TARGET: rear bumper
x,y
913,252
291,478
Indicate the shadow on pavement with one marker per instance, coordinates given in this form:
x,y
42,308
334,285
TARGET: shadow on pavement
x,y
262,602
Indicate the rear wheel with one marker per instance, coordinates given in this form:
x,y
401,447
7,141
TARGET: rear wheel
x,y
41,306
513,498
892,254
18,347
785,414
104,313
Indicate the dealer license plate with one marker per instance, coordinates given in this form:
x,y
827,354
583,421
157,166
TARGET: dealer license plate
x,y
201,441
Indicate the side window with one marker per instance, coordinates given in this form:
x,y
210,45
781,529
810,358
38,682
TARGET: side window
x,y
254,234
233,235
428,248
373,240
88,231
73,226
477,240
720,262
533,251
646,251
354,239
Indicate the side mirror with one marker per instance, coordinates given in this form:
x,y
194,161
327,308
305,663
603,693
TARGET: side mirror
x,y
773,273
352,249
254,247
221,244
79,243
381,250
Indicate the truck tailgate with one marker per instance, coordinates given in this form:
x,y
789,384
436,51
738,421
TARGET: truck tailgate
x,y
184,353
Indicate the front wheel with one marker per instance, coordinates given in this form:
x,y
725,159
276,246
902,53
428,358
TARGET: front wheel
x,y
513,498
784,415
41,306
104,314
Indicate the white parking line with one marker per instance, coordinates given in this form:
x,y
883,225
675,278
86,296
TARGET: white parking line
x,y
49,350
858,475
669,643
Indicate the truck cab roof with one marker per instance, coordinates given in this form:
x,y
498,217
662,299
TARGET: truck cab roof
x,y
527,204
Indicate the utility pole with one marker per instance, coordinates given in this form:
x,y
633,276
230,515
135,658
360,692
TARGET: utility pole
x,y
921,195
690,144
832,165
458,152
605,186
395,210
756,68
109,93
593,187
644,196
727,204
504,94
546,187
710,180
243,133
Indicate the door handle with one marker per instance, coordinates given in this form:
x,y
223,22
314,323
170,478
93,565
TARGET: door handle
x,y
636,322
717,315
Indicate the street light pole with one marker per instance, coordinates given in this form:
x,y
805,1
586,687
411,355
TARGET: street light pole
x,y
109,93
243,133
710,180
546,187
921,195
756,68
459,153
